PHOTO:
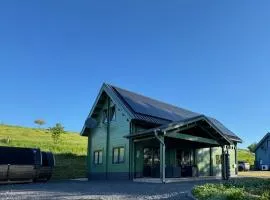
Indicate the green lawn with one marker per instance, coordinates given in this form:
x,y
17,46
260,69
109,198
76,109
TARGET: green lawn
x,y
70,152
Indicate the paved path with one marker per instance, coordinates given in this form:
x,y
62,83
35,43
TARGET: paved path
x,y
95,190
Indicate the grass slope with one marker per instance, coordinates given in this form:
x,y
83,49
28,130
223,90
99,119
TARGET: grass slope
x,y
246,155
70,152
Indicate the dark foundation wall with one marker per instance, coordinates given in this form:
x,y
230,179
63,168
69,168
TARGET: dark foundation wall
x,y
110,176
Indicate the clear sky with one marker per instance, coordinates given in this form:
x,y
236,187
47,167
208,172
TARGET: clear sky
x,y
211,57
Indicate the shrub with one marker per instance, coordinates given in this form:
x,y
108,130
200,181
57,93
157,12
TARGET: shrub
x,y
219,192
56,132
244,188
266,195
6,140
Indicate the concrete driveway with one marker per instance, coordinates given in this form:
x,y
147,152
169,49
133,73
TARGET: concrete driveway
x,y
93,190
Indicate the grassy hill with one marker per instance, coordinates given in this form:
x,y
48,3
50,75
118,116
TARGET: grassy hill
x,y
246,155
70,152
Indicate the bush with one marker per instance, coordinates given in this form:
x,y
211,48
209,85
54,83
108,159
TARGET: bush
x,y
56,132
244,188
218,191
266,195
255,186
6,140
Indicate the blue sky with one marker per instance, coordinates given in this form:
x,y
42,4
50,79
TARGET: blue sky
x,y
208,56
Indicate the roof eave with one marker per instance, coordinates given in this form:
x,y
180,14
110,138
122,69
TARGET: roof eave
x,y
175,125
261,141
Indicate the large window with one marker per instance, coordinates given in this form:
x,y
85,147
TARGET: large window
x,y
111,115
98,157
118,155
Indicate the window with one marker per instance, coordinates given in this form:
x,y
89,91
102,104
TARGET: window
x,y
118,155
111,114
98,157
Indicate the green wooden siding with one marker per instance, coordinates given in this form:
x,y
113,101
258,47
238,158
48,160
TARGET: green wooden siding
x,y
97,141
203,161
232,160
121,127
216,157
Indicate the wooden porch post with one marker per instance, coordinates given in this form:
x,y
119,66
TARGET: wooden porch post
x,y
161,156
236,160
211,162
162,159
223,163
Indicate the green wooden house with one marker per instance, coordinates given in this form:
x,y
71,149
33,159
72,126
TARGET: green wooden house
x,y
131,136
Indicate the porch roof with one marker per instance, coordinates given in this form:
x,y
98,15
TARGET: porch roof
x,y
201,121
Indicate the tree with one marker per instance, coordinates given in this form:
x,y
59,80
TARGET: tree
x,y
252,147
39,122
56,132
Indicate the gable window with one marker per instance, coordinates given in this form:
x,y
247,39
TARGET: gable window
x,y
118,155
98,157
111,115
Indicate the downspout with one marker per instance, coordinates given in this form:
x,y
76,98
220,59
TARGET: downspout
x,y
162,157
108,138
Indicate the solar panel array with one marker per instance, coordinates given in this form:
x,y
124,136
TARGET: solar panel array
x,y
148,106
221,127
151,107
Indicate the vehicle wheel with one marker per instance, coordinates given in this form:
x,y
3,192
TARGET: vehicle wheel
x,y
240,169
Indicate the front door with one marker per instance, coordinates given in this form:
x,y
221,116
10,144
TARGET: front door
x,y
151,161
185,159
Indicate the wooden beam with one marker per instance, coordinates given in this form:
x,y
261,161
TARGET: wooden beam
x,y
208,132
143,139
182,128
191,138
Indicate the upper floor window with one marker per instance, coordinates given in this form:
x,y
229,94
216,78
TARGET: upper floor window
x,y
111,115
118,155
98,157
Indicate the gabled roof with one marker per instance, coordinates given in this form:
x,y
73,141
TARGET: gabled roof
x,y
262,140
148,107
150,110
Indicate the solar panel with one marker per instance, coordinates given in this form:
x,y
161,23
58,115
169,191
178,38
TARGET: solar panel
x,y
151,107
221,127
148,106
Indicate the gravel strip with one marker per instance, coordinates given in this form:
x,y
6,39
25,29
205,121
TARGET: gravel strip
x,y
95,190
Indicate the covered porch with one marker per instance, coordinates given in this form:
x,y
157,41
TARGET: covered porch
x,y
179,151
